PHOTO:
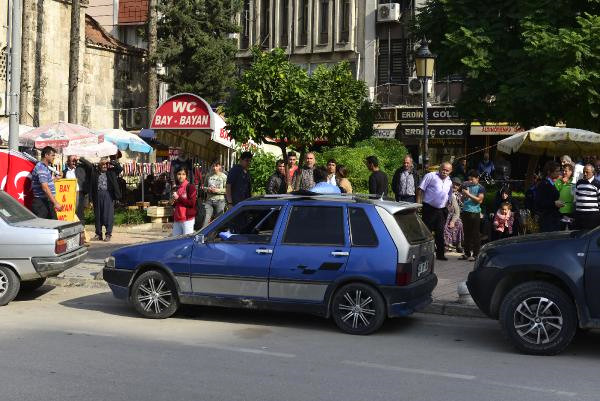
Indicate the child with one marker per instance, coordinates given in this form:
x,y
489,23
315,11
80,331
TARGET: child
x,y
453,230
503,221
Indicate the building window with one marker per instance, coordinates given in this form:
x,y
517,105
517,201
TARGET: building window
x,y
392,63
245,34
265,19
323,22
284,12
345,13
303,16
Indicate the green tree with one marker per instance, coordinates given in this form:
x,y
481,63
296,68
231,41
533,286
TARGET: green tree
x,y
196,47
525,62
261,169
277,102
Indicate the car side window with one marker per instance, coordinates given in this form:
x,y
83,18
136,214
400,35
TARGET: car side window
x,y
253,225
315,225
361,230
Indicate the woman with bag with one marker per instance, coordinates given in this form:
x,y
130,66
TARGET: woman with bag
x,y
184,204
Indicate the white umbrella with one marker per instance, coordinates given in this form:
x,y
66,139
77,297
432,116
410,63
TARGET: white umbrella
x,y
126,140
91,150
4,130
59,135
552,141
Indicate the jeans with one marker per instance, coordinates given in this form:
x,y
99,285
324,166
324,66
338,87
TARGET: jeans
x,y
183,227
213,208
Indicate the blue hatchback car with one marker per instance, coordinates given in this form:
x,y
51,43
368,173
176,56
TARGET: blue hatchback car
x,y
354,259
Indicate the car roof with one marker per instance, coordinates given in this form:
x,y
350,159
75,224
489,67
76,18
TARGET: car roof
x,y
390,206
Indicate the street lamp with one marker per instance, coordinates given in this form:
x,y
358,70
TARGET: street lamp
x,y
424,63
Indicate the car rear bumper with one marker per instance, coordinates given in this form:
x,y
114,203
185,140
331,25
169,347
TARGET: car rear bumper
x,y
118,280
53,266
405,300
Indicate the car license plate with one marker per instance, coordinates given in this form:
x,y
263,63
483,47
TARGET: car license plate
x,y
73,242
422,268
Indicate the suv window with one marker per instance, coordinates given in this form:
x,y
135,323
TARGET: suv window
x,y
252,224
12,211
361,229
315,225
413,227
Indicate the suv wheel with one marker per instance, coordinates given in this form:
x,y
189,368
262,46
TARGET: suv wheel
x,y
9,285
358,309
538,318
154,296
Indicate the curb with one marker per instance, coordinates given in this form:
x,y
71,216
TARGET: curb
x,y
453,309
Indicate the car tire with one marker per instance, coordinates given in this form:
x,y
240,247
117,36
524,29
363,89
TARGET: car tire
x,y
531,331
358,308
32,285
9,285
154,295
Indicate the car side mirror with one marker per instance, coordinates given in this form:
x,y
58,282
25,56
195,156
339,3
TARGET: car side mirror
x,y
200,239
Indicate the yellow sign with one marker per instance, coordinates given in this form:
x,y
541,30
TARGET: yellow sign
x,y
66,195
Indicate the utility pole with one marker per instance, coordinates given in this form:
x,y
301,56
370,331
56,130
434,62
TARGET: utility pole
x,y
74,60
15,75
152,74
26,40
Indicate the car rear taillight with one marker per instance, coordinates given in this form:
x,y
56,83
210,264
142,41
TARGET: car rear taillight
x,y
60,246
403,274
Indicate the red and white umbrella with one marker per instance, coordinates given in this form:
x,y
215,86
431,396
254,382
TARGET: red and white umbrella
x,y
59,135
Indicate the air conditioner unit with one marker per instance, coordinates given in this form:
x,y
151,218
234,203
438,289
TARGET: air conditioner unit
x,y
415,86
389,12
134,118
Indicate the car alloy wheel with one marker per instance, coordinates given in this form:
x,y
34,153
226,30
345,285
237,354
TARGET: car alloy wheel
x,y
538,320
358,309
9,285
153,295
3,283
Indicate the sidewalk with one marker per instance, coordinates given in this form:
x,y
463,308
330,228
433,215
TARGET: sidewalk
x,y
88,274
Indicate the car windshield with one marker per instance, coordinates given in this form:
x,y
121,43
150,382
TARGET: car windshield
x,y
12,211
413,227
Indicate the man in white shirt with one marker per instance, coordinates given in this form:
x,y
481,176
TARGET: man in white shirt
x,y
331,169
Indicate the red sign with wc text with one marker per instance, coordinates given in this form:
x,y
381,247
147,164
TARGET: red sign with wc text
x,y
183,111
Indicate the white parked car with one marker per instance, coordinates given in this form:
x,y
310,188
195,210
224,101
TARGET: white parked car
x,y
32,249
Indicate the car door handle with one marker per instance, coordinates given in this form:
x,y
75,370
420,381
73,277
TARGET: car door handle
x,y
339,253
263,251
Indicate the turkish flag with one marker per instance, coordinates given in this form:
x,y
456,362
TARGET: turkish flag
x,y
15,176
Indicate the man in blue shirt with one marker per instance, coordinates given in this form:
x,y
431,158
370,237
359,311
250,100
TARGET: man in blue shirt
x,y
322,186
486,166
44,203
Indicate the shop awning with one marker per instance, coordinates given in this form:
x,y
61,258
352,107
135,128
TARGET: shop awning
x,y
385,126
385,130
495,129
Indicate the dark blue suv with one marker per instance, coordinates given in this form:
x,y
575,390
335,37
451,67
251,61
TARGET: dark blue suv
x,y
356,259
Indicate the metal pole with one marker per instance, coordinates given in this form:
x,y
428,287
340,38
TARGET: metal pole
x,y
15,75
425,129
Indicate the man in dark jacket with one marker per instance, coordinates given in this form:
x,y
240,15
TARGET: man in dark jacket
x,y
277,183
78,171
104,190
405,182
546,199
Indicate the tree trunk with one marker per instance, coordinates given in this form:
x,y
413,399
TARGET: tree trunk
x,y
152,73
26,60
74,60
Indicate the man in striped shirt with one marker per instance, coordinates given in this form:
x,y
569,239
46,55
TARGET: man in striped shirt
x,y
587,200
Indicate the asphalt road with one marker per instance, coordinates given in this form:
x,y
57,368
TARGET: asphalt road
x,y
81,344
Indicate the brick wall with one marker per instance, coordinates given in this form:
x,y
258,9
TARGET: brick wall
x,y
133,11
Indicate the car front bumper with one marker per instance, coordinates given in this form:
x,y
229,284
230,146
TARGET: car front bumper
x,y
53,266
118,280
405,300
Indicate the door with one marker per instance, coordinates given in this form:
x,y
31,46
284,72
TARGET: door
x,y
235,257
592,275
311,253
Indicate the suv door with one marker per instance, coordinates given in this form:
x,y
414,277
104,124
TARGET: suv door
x,y
311,253
234,260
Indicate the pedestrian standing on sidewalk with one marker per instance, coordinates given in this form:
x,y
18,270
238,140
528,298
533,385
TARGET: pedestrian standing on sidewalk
x,y
304,179
321,184
405,181
343,181
587,200
331,172
292,168
104,191
566,191
503,222
434,192
473,194
183,200
277,183
453,231
378,180
239,186
547,201
215,186
44,203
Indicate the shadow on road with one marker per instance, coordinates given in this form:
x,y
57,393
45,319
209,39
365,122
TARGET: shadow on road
x,y
32,295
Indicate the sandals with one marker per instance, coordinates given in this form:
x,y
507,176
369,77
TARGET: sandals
x,y
463,257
